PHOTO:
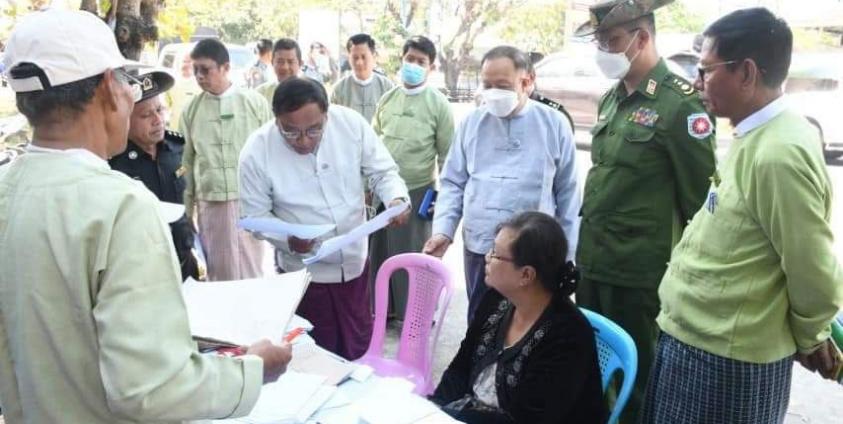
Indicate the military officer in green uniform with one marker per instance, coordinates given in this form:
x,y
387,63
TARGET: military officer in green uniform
x,y
653,155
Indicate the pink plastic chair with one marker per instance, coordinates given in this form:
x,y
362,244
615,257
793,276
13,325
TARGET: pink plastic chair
x,y
428,279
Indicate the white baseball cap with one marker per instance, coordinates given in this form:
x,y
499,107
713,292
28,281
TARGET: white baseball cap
x,y
55,47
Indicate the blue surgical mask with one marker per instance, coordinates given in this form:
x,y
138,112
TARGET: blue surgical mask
x,y
412,74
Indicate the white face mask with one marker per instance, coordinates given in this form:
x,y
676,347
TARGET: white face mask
x,y
500,102
615,65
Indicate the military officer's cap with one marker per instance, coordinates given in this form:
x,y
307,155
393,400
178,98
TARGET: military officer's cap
x,y
611,13
154,82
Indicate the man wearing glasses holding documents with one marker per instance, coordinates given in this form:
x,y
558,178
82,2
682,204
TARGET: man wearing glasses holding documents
x,y
304,168
93,327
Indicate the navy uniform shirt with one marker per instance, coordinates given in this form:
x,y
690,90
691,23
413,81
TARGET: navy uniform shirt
x,y
554,104
163,177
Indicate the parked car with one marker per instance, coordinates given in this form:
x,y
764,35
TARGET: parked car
x,y
814,89
575,81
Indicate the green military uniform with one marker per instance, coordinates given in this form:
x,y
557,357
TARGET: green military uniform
x,y
652,154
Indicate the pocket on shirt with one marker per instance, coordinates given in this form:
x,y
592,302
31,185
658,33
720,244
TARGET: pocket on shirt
x,y
637,140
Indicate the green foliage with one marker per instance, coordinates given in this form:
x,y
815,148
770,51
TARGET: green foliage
x,y
676,17
238,21
175,21
390,35
536,27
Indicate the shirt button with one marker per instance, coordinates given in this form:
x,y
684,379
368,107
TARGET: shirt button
x,y
324,166
612,133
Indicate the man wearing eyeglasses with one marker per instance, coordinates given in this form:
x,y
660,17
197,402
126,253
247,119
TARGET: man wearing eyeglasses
x,y
755,282
305,167
652,155
93,327
215,125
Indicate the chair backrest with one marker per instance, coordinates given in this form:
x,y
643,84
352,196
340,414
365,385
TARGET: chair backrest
x,y
429,281
615,351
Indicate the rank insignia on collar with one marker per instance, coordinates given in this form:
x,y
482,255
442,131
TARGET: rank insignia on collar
x,y
651,87
181,171
699,125
644,116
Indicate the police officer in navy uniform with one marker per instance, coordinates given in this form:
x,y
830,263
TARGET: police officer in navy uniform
x,y
153,156
535,57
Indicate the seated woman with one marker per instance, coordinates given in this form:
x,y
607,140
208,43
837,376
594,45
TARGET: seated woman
x,y
529,355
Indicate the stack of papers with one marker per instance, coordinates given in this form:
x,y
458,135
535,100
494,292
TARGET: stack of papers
x,y
311,359
391,401
293,399
243,312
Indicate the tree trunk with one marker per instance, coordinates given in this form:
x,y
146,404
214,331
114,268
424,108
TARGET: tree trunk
x,y
89,6
133,22
451,68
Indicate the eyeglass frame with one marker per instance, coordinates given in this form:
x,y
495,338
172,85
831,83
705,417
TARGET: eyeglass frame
x,y
134,83
702,70
491,253
312,133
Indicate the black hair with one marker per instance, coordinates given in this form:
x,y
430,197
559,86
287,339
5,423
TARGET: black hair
x,y
211,48
540,243
287,44
755,34
518,58
65,101
264,46
422,44
361,38
292,94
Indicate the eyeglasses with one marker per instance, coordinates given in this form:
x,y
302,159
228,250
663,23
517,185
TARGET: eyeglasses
x,y
494,255
606,44
312,133
701,70
134,83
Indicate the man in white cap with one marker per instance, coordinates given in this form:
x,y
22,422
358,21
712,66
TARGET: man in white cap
x,y
93,327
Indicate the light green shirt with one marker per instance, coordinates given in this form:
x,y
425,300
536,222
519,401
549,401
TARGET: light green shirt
x,y
362,98
93,327
215,129
267,90
755,276
417,129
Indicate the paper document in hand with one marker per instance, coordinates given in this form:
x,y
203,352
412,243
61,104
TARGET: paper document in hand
x,y
363,230
244,311
278,229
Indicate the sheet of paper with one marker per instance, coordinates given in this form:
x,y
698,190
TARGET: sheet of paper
x,y
245,311
312,359
387,405
337,243
291,399
278,229
171,212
